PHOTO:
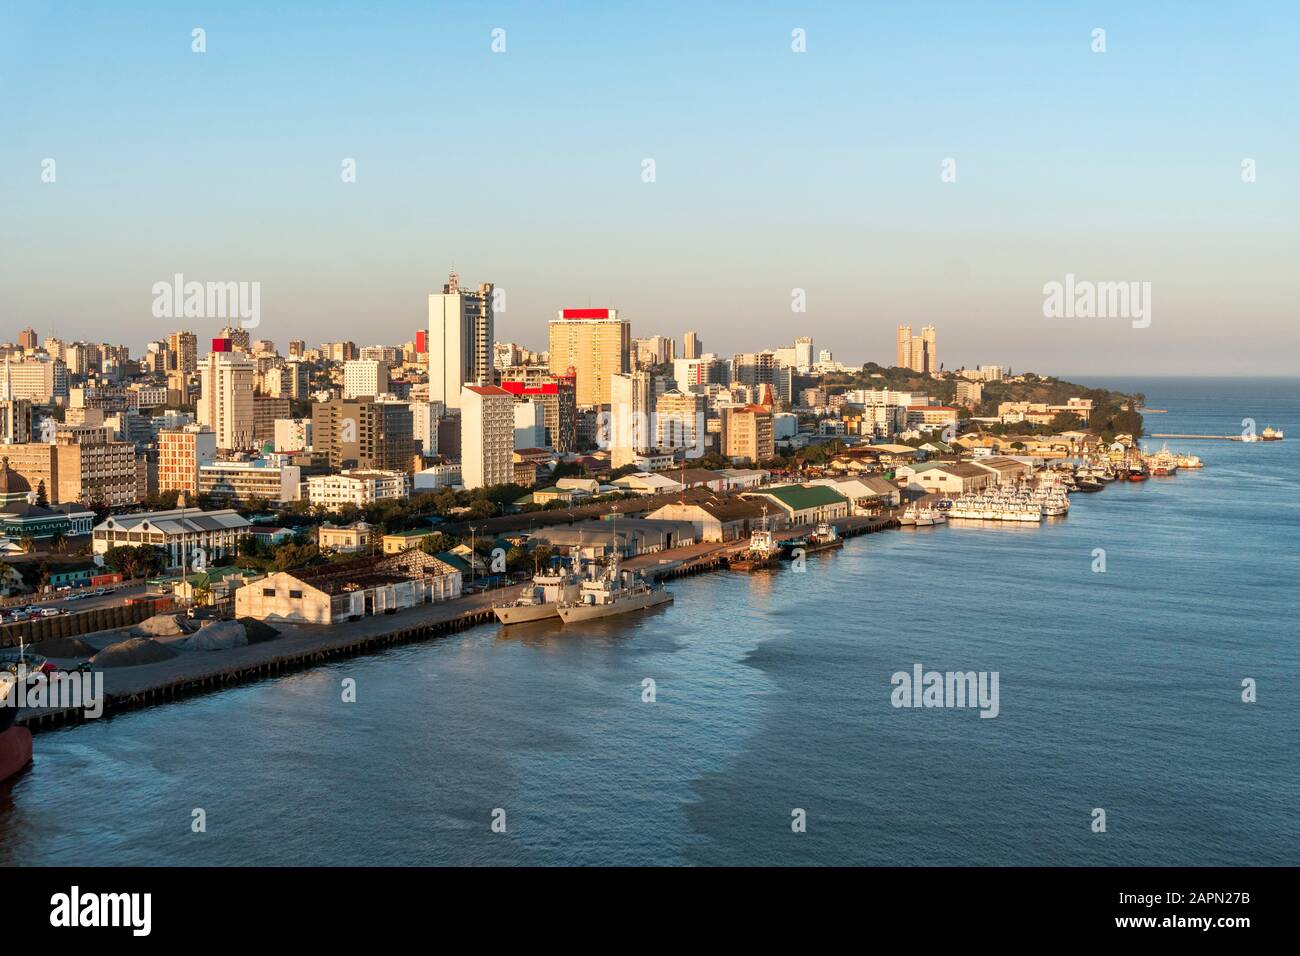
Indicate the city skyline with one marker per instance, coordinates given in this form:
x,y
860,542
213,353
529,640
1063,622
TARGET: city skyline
x,y
741,215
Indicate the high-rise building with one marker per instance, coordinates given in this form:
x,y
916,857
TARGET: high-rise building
x,y
364,377
183,352
691,345
37,380
918,352
266,411
15,421
82,464
296,348
289,380
594,343
903,359
364,433
487,436
630,432
240,338
557,395
530,424
226,395
27,338
180,453
460,340
679,421
747,433
930,342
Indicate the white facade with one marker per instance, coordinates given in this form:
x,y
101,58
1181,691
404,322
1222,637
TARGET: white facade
x,y
192,538
292,434
437,477
364,377
226,398
424,425
460,341
246,480
530,424
355,487
487,436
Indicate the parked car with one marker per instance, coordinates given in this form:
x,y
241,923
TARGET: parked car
x,y
51,612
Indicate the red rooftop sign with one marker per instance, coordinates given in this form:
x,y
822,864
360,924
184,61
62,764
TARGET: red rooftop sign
x,y
586,313
221,345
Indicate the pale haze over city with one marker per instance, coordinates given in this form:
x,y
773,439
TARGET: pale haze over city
x,y
772,173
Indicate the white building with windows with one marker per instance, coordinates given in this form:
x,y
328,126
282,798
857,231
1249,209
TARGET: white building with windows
x,y
356,487
183,533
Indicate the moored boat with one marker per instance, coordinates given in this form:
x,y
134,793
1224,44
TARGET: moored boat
x,y
613,592
540,598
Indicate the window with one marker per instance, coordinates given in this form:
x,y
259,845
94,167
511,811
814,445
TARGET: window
x,y
295,594
268,592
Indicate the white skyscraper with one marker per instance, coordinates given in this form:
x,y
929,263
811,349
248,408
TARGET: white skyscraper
x,y
460,340
487,436
226,379
630,429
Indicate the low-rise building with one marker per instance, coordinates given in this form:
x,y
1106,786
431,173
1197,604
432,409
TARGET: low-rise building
x,y
867,494
717,518
225,482
346,538
804,504
949,478
183,533
355,487
405,540
332,593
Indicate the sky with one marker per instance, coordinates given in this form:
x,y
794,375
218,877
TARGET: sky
x,y
774,171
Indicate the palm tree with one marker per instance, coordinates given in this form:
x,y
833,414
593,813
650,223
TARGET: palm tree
x,y
59,541
27,543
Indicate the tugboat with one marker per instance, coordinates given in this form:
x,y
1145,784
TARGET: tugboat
x,y
1088,484
763,551
614,592
541,598
1137,471
1163,463
824,538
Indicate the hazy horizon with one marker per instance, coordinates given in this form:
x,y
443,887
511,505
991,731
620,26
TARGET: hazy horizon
x,y
774,171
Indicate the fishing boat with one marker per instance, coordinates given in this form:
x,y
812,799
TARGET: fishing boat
x,y
1190,462
1088,485
922,517
1164,463
1137,471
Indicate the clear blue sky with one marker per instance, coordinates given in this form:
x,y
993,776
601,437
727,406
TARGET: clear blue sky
x,y
775,170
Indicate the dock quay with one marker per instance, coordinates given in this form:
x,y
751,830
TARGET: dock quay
x,y
1240,438
302,646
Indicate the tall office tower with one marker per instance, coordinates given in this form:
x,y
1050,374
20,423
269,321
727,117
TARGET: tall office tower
x,y
27,338
183,352
691,346
180,453
460,340
240,339
530,424
296,348
487,436
803,352
364,377
364,434
630,432
56,348
37,380
680,422
655,350
931,344
226,381
904,357
290,380
595,344
747,433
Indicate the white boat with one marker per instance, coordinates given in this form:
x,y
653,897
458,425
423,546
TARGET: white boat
x,y
922,517
613,592
540,598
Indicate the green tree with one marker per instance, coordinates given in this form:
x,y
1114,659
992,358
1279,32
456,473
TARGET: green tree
x,y
42,498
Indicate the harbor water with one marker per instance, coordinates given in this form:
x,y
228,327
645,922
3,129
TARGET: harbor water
x,y
1119,690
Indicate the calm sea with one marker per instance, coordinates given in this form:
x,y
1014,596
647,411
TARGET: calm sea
x,y
1118,690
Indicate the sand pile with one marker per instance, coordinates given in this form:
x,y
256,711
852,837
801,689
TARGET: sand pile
x,y
62,647
132,653
217,636
160,625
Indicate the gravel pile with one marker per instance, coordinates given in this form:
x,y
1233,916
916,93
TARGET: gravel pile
x,y
132,653
217,636
62,647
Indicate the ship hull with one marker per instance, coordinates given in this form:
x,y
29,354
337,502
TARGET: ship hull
x,y
576,613
526,613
